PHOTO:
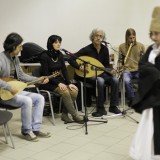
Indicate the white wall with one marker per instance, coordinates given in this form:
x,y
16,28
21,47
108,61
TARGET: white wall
x,y
73,20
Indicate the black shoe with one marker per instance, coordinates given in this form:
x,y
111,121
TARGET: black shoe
x,y
102,110
97,114
114,109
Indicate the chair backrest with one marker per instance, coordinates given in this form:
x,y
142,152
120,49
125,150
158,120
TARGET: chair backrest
x,y
31,53
36,72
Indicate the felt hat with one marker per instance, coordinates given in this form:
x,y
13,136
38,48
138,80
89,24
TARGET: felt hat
x,y
155,23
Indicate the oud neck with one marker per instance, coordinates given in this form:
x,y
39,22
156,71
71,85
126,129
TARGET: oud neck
x,y
34,82
39,80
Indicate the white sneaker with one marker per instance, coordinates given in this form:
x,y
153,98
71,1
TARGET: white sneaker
x,y
30,136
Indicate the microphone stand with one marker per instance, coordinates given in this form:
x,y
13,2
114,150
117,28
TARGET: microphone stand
x,y
85,63
118,53
124,112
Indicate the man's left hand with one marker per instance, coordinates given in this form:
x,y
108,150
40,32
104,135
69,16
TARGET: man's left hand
x,y
44,80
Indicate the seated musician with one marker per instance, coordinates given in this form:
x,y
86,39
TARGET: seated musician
x,y
130,53
99,52
31,104
52,62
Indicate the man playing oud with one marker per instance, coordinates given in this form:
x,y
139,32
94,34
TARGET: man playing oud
x,y
99,52
31,104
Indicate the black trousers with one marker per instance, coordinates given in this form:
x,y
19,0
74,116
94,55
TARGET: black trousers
x,y
156,134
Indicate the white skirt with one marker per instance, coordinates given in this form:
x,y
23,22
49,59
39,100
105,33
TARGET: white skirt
x,y
142,147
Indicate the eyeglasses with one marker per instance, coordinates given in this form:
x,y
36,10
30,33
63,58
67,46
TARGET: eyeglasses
x,y
98,35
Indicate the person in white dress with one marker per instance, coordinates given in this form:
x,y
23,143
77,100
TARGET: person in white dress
x,y
146,143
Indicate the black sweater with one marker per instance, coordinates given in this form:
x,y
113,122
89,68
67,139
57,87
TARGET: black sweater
x,y
90,50
49,65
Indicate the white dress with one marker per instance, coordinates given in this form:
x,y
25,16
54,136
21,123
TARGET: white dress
x,y
142,147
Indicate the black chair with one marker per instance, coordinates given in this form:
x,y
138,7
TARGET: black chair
x,y
91,87
49,94
8,107
5,117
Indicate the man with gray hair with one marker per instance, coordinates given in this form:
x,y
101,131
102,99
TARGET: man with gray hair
x,y
100,53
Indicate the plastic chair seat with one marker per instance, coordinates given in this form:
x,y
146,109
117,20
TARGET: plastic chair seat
x,y
8,107
5,117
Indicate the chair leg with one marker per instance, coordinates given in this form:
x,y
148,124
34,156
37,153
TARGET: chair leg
x,y
75,104
7,131
5,134
10,134
123,94
50,103
51,106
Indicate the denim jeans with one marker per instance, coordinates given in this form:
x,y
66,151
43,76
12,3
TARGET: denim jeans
x,y
127,77
32,105
101,81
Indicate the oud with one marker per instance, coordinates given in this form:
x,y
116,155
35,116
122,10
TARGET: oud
x,y
7,95
91,69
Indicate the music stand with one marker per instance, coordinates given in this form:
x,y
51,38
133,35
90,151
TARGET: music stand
x,y
124,112
85,63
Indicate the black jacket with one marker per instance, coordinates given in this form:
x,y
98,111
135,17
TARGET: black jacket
x,y
148,95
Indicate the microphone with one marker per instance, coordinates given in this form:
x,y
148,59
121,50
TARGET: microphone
x,y
64,50
105,42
